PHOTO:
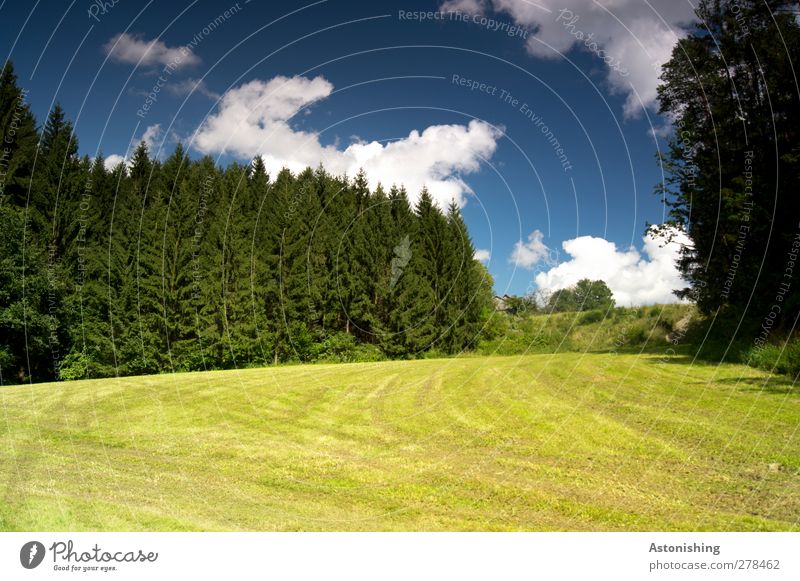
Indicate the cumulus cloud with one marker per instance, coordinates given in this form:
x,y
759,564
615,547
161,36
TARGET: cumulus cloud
x,y
153,136
255,119
134,49
482,254
633,38
113,160
529,254
634,279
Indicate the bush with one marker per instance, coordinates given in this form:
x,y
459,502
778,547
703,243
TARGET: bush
x,y
74,366
344,348
590,317
776,358
367,353
434,353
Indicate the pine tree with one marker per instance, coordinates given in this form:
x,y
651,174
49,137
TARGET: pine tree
x,y
734,160
157,267
18,137
31,334
469,301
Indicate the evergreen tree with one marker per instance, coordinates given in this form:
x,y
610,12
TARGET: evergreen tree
x,y
31,334
734,158
155,267
18,137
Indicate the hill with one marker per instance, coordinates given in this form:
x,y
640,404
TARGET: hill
x,y
569,441
655,328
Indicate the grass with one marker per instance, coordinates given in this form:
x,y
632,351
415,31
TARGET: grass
x,y
541,442
619,329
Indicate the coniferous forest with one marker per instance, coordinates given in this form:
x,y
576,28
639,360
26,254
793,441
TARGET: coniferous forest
x,y
180,264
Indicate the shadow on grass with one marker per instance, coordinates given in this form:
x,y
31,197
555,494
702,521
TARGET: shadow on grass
x,y
768,383
777,384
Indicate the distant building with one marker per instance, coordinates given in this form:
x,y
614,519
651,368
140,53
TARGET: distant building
x,y
502,303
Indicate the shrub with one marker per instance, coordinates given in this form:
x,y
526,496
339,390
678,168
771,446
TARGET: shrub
x,y
74,366
776,358
594,316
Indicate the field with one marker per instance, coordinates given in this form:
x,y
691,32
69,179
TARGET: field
x,y
538,442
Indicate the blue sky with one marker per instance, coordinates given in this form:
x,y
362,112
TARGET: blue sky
x,y
553,157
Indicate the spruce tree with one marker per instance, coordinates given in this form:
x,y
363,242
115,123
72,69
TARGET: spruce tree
x,y
18,137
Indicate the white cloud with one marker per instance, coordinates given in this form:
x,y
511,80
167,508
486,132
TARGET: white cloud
x,y
632,278
190,86
254,119
133,49
113,160
482,255
469,6
153,136
528,254
634,37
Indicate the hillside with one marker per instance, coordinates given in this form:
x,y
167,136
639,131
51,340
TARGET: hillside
x,y
654,328
541,442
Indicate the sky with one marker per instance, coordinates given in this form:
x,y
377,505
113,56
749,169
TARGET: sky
x,y
540,119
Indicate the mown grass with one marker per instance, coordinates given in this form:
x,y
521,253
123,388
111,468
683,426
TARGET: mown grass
x,y
542,442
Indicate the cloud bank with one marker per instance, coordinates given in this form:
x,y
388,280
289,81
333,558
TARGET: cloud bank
x,y
634,279
632,38
255,119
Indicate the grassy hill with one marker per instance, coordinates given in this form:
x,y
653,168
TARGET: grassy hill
x,y
619,329
542,442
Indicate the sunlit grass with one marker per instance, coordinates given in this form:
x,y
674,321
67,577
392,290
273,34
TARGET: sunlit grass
x,y
542,442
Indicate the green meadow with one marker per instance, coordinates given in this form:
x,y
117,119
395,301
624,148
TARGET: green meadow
x,y
571,441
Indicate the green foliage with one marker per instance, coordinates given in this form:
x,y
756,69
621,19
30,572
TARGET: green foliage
x,y
590,317
732,164
585,295
524,305
182,265
783,358
75,366
654,328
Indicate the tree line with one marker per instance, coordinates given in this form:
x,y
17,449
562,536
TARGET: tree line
x,y
733,161
158,266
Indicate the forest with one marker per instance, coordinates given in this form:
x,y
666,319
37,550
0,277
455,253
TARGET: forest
x,y
176,265
167,263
